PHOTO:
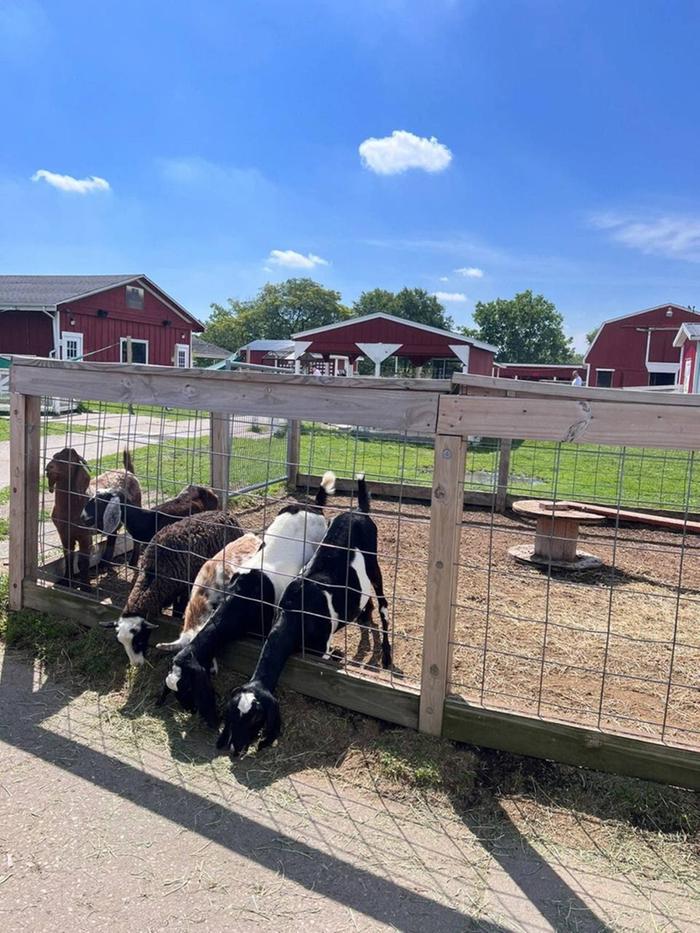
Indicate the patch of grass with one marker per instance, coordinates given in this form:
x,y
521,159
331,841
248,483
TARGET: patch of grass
x,y
4,529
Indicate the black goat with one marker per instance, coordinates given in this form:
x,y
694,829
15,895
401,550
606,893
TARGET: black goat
x,y
335,589
107,510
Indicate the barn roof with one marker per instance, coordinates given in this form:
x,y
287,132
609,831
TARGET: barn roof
x,y
686,332
269,345
209,351
31,292
380,315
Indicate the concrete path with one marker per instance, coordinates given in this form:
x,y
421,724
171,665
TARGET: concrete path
x,y
103,831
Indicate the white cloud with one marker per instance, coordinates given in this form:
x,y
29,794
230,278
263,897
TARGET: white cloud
x,y
401,151
444,278
676,237
293,260
470,272
450,296
74,185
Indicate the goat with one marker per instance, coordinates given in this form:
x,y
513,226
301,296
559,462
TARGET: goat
x,y
209,588
68,476
251,599
335,588
168,567
107,491
110,508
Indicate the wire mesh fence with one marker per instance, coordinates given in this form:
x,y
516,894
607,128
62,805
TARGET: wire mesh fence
x,y
171,449
568,606
608,640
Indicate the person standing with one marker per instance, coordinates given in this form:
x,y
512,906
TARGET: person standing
x,y
577,380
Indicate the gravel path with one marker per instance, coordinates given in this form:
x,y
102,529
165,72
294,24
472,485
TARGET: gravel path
x,y
99,831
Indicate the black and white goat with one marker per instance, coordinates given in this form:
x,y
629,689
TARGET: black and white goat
x,y
336,588
251,601
168,568
109,508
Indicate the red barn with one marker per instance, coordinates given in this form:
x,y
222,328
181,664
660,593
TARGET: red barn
x,y
379,336
72,317
638,349
687,340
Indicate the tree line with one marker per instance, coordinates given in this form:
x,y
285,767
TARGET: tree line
x,y
526,328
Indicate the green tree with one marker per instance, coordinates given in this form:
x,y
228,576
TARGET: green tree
x,y
278,311
591,335
526,329
412,304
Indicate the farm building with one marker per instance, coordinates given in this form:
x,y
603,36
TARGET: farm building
x,y
539,372
380,336
686,340
75,316
638,349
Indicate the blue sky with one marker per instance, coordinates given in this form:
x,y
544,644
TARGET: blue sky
x,y
544,144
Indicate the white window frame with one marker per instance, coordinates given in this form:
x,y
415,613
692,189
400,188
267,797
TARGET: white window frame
x,y
78,338
184,348
134,340
602,369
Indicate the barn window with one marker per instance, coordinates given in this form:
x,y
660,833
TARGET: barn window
x,y
134,297
139,350
182,355
72,346
603,378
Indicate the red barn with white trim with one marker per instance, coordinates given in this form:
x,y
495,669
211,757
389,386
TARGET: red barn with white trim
x,y
379,336
638,349
90,316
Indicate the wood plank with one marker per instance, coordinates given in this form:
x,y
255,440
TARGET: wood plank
x,y
220,454
18,525
575,745
443,555
521,388
206,390
503,474
32,479
313,678
405,491
646,518
293,451
270,375
612,423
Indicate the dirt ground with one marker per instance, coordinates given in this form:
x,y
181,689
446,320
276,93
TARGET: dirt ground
x,y
111,819
616,648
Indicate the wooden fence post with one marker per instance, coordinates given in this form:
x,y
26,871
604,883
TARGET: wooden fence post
x,y
25,452
220,454
293,448
445,530
503,474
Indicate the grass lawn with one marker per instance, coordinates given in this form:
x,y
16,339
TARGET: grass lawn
x,y
634,478
47,427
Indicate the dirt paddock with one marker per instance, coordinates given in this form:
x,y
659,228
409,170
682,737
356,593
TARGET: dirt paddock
x,y
616,648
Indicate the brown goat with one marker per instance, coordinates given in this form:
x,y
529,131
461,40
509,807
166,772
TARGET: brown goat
x,y
68,478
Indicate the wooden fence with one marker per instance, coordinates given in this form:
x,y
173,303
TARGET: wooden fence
x,y
450,412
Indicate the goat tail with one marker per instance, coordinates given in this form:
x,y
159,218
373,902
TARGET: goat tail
x,y
326,488
128,461
363,495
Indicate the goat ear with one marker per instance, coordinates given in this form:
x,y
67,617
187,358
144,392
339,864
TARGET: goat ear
x,y
79,477
273,724
112,516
